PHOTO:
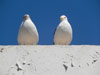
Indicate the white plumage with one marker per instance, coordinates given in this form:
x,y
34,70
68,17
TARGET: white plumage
x,y
63,33
28,34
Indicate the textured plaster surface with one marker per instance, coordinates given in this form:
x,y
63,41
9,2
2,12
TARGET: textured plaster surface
x,y
50,60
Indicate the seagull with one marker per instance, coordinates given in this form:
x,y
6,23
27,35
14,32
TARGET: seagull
x,y
28,34
63,33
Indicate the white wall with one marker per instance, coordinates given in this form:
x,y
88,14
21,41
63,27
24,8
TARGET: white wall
x,y
50,60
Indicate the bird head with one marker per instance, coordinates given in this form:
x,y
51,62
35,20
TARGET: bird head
x,y
63,17
26,16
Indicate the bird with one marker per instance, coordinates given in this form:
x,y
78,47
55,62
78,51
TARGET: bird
x,y
28,34
63,32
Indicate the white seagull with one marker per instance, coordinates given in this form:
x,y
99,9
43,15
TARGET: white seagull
x,y
28,34
63,33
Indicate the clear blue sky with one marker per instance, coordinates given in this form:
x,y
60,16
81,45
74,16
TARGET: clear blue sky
x,y
83,15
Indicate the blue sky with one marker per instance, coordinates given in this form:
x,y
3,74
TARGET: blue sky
x,y
83,15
